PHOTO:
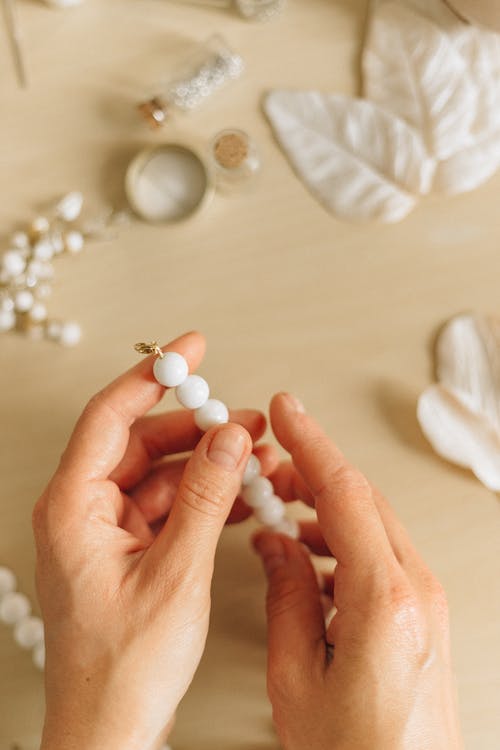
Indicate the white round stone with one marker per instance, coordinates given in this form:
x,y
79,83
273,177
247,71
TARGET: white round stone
x,y
70,206
14,606
23,300
73,241
258,492
43,250
252,471
28,632
8,581
13,262
70,335
171,370
20,240
39,656
288,527
211,413
40,225
7,320
38,312
272,512
193,392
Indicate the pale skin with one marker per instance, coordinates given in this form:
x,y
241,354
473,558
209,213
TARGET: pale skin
x,y
126,535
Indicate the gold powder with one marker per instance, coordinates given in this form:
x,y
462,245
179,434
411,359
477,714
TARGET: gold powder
x,y
231,150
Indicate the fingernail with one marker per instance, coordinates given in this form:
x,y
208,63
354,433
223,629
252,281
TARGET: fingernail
x,y
227,448
294,403
272,551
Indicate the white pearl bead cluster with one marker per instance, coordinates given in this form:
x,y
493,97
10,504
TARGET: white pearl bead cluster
x,y
192,391
15,610
27,271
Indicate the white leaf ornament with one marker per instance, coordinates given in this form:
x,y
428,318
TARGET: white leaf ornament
x,y
460,415
360,161
414,70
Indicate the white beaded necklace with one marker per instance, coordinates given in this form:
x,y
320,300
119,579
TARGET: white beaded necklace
x,y
192,391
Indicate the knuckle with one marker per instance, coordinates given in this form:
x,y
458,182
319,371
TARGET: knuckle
x,y
202,495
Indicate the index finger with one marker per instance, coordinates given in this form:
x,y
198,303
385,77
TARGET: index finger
x,y
101,435
349,520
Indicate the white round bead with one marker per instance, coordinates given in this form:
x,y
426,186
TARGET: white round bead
x,y
7,581
13,262
258,492
40,225
54,330
211,413
70,206
252,471
73,241
20,240
171,370
7,320
193,392
23,300
287,527
71,334
272,512
43,250
14,606
39,656
6,302
28,632
38,312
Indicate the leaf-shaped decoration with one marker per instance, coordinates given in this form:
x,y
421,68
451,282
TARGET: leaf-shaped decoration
x,y
413,69
461,414
360,161
459,435
470,167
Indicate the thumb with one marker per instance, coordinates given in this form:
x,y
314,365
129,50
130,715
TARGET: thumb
x,y
296,626
208,488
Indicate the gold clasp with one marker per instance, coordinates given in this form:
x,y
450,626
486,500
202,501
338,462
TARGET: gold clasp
x,y
152,348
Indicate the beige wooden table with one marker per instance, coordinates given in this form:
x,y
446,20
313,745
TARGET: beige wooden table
x,y
288,298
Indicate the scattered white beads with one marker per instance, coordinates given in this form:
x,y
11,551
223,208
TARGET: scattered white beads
x,y
70,334
8,581
171,370
13,263
43,250
69,207
212,412
28,632
193,392
14,606
23,300
73,242
15,610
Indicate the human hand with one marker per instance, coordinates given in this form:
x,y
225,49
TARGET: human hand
x,y
385,682
125,547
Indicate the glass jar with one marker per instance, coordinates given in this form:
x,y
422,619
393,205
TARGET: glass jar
x,y
208,69
234,158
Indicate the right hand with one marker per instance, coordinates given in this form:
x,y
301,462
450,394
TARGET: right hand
x,y
386,682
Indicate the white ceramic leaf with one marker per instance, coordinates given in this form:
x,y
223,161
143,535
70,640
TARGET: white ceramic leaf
x,y
413,69
360,161
459,435
468,363
470,167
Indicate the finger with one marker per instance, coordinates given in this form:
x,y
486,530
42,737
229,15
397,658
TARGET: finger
x,y
206,493
101,435
290,486
295,618
155,494
310,534
173,432
344,503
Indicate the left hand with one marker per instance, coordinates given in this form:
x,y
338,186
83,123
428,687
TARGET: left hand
x,y
126,544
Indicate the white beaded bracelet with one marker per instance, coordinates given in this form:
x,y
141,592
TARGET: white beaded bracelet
x,y
193,392
15,610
